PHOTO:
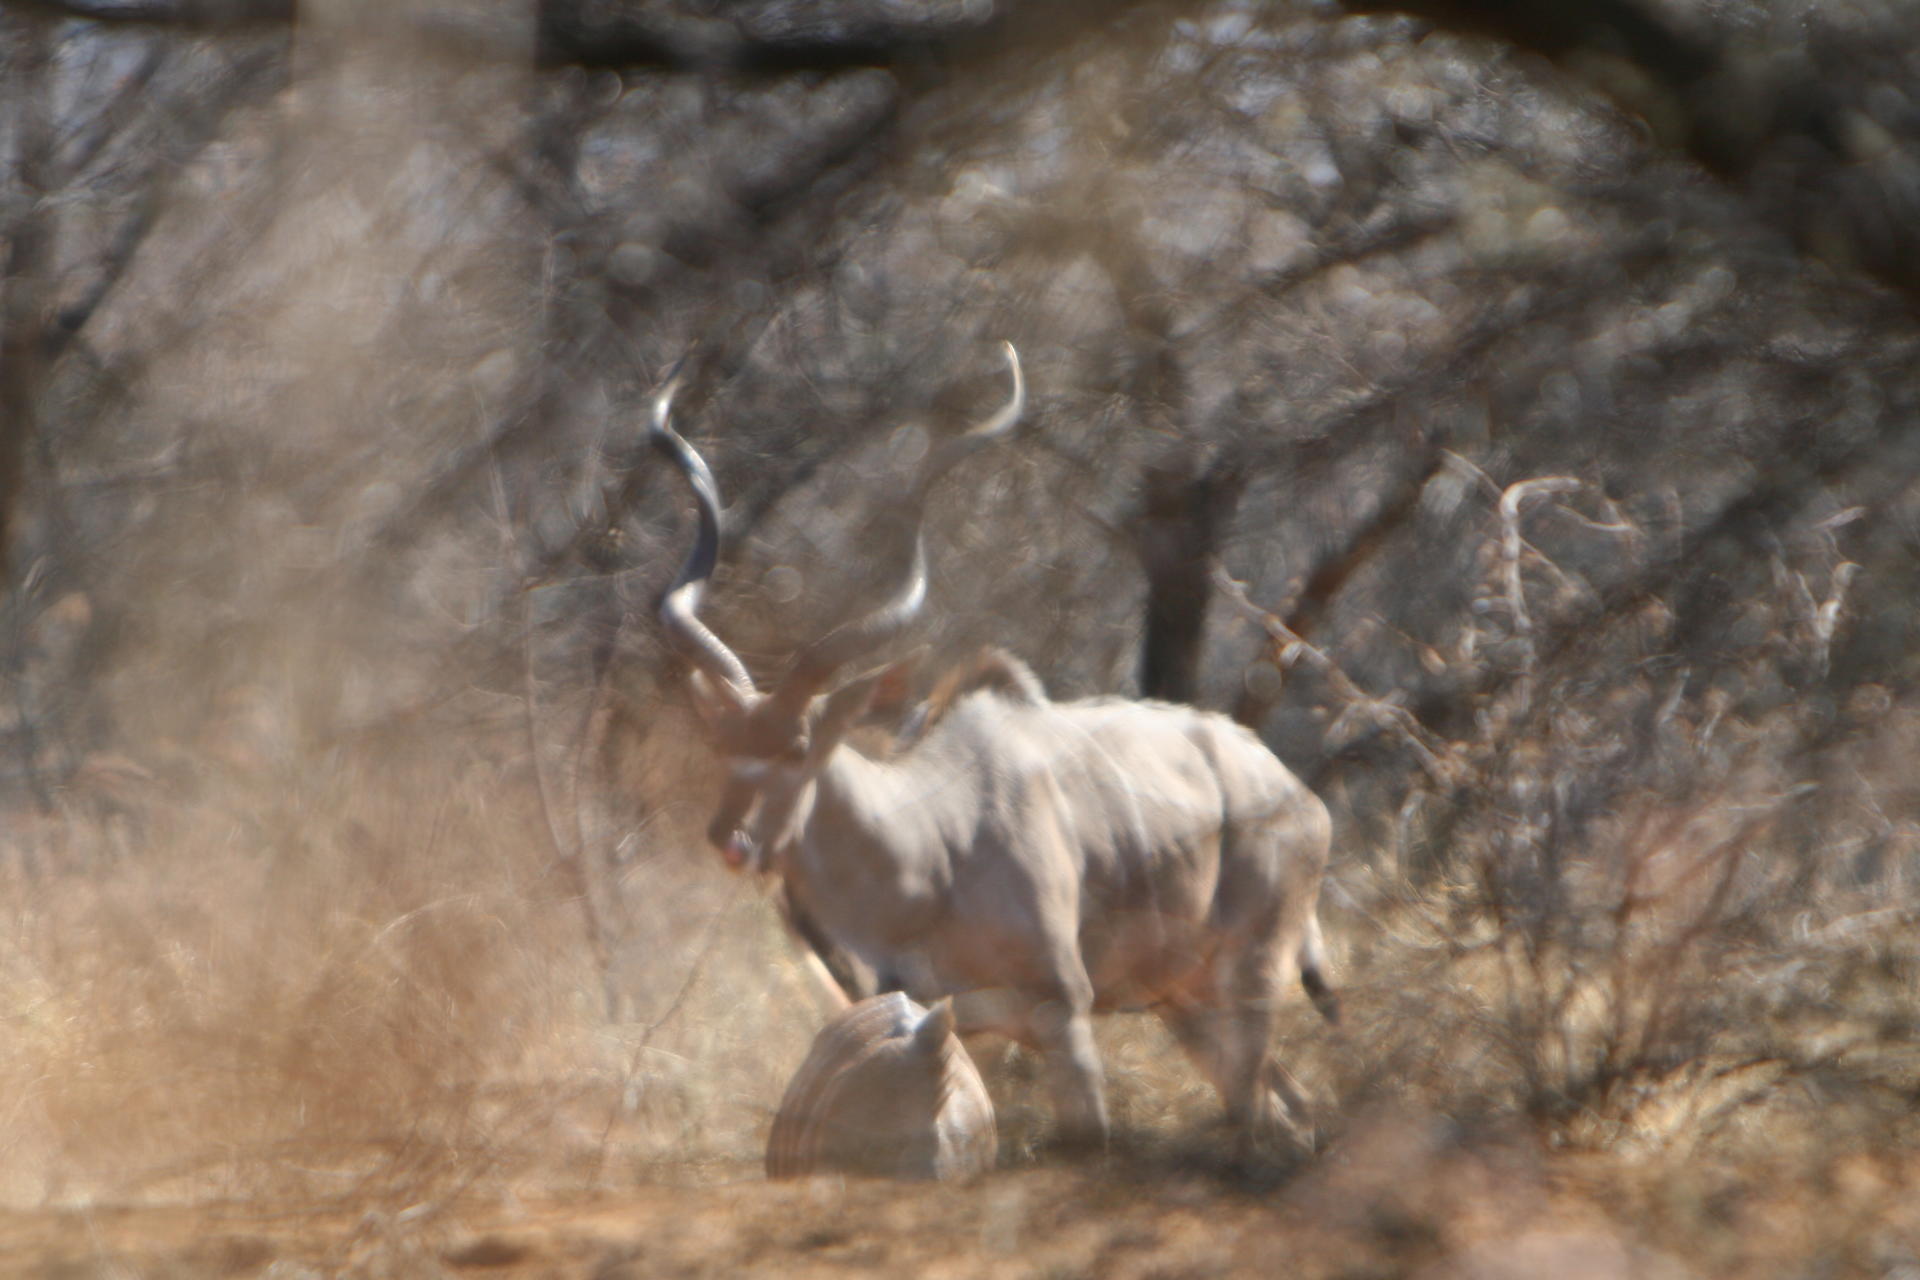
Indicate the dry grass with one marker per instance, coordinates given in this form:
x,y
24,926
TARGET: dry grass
x,y
365,989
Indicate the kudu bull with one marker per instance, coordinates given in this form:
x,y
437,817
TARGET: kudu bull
x,y
1037,861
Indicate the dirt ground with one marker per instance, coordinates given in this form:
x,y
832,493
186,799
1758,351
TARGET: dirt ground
x,y
1395,1196
1052,1222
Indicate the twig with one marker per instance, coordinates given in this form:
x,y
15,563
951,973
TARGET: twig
x,y
1511,500
572,862
1435,755
569,860
667,1015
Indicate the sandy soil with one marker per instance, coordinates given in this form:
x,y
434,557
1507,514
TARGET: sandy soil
x,y
1401,1198
1043,1222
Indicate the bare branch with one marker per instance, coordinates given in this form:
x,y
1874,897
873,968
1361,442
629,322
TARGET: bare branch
x,y
1437,758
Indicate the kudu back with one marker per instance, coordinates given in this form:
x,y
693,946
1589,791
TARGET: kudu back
x,y
1035,861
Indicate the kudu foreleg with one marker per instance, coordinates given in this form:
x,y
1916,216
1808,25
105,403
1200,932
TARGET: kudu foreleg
x,y
1062,1030
836,982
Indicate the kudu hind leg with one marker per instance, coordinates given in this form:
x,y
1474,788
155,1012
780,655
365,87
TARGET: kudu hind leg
x,y
1231,1044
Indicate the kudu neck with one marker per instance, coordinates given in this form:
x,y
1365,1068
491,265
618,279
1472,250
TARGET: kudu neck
x,y
890,812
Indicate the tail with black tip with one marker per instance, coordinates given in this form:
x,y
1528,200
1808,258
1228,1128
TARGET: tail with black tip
x,y
1313,972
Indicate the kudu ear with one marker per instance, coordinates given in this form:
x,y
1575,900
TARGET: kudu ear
x,y
845,705
930,1037
894,687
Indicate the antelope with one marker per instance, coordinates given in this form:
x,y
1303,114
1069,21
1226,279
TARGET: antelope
x,y
886,1089
1037,862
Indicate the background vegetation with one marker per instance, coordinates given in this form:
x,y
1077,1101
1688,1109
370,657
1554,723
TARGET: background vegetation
x,y
1507,410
